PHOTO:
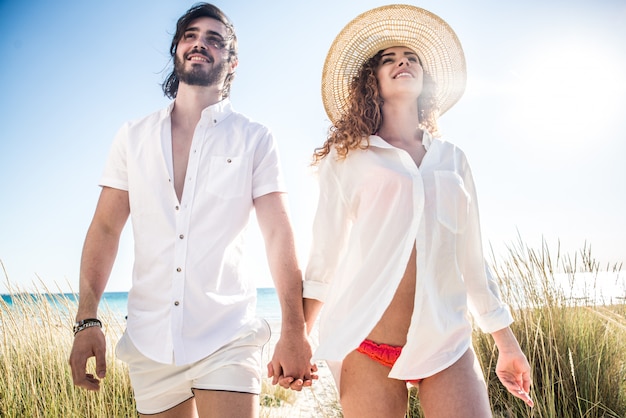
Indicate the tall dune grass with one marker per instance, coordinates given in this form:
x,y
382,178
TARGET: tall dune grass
x,y
576,348
575,343
35,378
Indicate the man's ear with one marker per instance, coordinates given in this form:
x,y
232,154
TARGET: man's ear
x,y
233,64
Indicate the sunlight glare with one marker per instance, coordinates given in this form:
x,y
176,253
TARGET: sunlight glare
x,y
568,91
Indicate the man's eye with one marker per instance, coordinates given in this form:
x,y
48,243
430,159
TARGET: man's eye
x,y
215,42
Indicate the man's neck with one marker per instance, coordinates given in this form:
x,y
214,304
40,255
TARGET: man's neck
x,y
191,101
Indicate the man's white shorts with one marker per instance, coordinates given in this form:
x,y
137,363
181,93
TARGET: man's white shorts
x,y
236,367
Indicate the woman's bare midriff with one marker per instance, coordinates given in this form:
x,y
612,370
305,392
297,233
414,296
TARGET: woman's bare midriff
x,y
394,324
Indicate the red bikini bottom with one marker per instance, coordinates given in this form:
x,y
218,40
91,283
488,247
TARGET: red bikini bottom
x,y
384,354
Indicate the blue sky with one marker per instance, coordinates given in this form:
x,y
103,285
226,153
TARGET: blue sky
x,y
542,119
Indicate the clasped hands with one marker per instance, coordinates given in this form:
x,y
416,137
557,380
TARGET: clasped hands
x,y
291,366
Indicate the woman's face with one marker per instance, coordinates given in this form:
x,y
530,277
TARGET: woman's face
x,y
399,73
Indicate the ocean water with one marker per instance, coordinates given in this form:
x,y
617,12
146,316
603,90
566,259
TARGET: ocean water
x,y
585,288
267,305
267,302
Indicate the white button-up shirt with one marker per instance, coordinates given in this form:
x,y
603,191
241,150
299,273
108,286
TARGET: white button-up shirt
x,y
189,293
373,206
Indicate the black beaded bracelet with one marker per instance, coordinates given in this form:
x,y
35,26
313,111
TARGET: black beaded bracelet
x,y
86,323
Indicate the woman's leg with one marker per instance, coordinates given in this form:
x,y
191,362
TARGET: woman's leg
x,y
458,391
366,391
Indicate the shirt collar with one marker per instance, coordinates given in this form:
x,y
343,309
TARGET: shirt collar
x,y
214,114
376,141
427,139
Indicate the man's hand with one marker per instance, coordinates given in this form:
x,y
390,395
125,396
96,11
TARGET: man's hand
x,y
88,343
291,366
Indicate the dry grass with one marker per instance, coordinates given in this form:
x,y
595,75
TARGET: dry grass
x,y
35,379
576,347
575,342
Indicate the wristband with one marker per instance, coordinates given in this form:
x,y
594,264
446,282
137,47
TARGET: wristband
x,y
86,323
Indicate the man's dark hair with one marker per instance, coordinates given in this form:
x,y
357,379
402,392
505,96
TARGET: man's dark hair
x,y
170,85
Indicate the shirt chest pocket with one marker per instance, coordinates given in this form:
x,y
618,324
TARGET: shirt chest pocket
x,y
453,201
227,176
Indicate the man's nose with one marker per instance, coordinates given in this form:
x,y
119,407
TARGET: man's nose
x,y
200,43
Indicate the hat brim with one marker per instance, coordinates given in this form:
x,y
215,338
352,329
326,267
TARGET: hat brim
x,y
431,38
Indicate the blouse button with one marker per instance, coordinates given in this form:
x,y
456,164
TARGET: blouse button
x,y
176,303
181,236
179,269
229,161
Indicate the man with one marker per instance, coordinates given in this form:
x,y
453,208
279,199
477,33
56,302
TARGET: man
x,y
189,176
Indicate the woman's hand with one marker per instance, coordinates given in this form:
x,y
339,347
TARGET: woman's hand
x,y
512,367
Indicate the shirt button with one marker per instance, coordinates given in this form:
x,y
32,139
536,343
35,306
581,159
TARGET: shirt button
x,y
176,303
181,236
229,161
177,208
179,269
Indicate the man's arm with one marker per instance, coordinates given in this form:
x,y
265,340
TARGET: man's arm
x,y
291,362
99,251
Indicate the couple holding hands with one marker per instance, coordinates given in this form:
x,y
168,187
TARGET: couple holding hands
x,y
396,260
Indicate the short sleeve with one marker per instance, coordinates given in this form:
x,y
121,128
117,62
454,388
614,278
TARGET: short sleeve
x,y
115,173
267,174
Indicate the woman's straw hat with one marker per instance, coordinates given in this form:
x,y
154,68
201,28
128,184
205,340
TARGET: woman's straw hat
x,y
425,33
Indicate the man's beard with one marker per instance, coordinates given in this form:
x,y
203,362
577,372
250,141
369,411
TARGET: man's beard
x,y
199,76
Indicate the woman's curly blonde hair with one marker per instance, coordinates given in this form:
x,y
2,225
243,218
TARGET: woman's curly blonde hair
x,y
363,115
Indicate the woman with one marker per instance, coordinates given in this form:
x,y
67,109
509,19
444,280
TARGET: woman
x,y
397,258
